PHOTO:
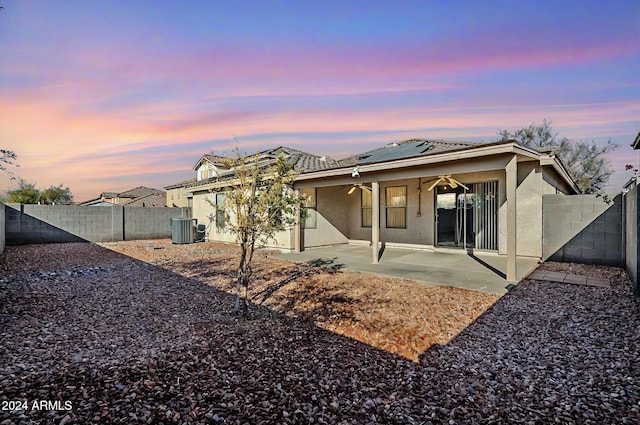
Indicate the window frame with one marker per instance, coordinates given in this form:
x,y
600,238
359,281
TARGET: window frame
x,y
311,211
366,211
387,206
220,219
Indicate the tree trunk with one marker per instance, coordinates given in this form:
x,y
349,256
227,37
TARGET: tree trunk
x,y
244,277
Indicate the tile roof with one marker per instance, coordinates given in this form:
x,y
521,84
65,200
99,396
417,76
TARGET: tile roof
x,y
304,162
140,191
182,183
93,202
150,200
216,160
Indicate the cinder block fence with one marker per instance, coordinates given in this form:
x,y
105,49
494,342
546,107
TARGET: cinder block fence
x,y
31,224
583,229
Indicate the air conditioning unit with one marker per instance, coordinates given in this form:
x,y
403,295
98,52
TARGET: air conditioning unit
x,y
182,230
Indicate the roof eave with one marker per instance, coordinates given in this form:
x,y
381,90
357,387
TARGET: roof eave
x,y
463,153
561,170
636,142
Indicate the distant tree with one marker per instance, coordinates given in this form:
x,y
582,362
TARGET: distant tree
x,y
56,195
26,193
259,203
586,162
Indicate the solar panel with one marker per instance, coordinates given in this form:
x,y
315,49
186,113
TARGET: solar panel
x,y
391,152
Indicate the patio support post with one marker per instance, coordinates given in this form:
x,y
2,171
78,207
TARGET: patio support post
x,y
511,183
375,219
297,228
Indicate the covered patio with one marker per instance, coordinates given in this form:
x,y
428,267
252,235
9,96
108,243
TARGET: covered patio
x,y
485,272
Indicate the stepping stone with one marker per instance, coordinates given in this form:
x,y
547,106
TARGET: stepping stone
x,y
598,281
555,276
538,275
575,279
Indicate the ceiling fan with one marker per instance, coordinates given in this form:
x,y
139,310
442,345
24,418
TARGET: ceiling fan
x,y
446,180
359,185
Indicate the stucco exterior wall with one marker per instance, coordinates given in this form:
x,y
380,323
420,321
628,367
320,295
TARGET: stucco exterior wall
x,y
176,197
529,210
331,219
552,183
419,228
201,211
632,219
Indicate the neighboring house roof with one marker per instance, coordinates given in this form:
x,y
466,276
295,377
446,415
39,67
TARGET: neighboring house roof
x,y
636,142
139,192
150,200
95,202
180,184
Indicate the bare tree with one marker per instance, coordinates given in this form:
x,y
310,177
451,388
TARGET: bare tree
x,y
586,162
7,158
258,203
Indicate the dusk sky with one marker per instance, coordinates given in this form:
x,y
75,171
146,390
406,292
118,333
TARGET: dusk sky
x,y
110,95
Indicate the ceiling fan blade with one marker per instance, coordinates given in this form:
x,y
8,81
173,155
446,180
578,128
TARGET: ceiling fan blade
x,y
367,188
435,183
457,183
353,189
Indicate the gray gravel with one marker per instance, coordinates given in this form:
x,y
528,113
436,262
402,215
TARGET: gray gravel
x,y
127,342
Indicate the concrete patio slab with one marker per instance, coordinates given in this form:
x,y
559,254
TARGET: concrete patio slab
x,y
483,272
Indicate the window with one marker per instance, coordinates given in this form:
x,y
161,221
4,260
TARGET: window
x,y
396,206
365,202
310,208
220,211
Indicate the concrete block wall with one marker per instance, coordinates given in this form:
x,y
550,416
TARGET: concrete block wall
x,y
31,224
582,229
632,233
150,223
2,231
26,224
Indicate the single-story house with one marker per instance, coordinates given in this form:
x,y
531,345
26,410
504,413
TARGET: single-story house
x,y
428,194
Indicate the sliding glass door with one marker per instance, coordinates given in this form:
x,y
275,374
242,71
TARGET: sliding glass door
x,y
467,218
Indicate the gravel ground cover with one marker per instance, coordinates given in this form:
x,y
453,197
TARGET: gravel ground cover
x,y
153,340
